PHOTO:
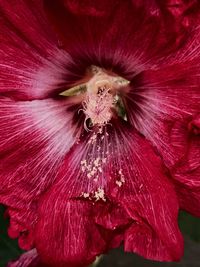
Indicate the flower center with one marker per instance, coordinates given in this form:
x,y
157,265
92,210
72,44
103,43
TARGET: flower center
x,y
101,96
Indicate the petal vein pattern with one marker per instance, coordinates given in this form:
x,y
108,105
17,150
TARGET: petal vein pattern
x,y
120,167
158,98
186,172
91,167
35,137
31,64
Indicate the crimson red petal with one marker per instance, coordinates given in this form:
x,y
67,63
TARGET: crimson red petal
x,y
35,137
120,166
133,41
90,7
148,197
66,234
31,65
159,98
186,172
194,125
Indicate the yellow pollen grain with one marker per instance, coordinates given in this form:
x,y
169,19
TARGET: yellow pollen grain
x,y
92,139
121,180
99,194
96,161
85,195
93,167
100,130
104,160
100,169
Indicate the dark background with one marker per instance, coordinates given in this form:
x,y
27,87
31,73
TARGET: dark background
x,y
189,225
117,258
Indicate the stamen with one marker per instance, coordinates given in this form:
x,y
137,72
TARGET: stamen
x,y
101,97
97,106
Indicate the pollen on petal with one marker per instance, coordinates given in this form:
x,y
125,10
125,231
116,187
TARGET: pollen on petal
x,y
121,179
100,195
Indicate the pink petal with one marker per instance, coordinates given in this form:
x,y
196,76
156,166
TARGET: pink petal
x,y
28,259
31,65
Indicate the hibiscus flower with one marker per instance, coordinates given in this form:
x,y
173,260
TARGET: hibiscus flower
x,y
99,116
